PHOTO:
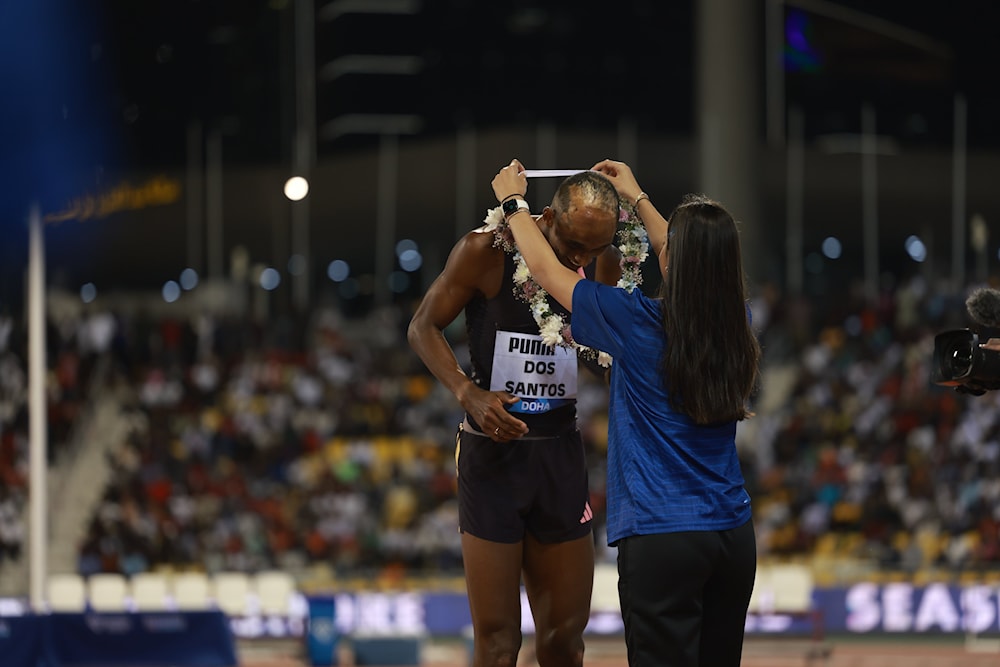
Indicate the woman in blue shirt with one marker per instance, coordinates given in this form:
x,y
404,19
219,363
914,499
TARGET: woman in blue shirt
x,y
684,367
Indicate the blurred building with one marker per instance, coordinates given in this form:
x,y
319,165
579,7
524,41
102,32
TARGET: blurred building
x,y
400,111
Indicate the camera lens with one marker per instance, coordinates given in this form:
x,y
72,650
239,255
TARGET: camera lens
x,y
961,358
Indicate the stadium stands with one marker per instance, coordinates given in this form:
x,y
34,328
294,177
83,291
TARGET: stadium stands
x,y
329,455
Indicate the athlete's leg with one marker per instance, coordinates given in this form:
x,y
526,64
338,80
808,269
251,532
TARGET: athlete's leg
x,y
558,579
493,580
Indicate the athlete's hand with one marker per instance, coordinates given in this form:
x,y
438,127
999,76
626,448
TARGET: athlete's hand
x,y
489,409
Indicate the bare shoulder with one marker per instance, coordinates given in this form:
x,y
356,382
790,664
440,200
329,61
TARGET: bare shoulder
x,y
609,269
475,262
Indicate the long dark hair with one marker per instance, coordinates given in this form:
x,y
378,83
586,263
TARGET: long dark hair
x,y
711,361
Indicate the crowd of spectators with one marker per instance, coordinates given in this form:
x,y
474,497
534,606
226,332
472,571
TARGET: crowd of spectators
x,y
864,455
75,342
322,439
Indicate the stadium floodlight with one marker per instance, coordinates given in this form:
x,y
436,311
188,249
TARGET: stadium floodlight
x,y
296,188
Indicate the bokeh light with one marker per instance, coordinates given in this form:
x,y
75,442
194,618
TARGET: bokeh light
x,y
88,292
338,270
171,291
270,278
296,188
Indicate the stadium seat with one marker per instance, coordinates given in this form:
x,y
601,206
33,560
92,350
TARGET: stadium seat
x,y
67,593
762,597
149,591
190,591
274,589
230,591
793,588
107,591
605,595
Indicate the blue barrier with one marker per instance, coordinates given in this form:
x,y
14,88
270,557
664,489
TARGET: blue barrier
x,y
154,639
322,635
21,640
386,650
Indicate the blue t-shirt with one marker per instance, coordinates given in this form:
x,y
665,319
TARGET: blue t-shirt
x,y
666,474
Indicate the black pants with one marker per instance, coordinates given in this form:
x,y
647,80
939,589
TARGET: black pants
x,y
684,596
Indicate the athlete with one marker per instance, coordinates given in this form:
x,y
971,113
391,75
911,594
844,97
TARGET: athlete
x,y
522,475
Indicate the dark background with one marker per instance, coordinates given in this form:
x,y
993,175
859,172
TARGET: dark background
x,y
96,93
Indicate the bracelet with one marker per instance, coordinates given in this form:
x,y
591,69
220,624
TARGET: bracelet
x,y
639,198
516,194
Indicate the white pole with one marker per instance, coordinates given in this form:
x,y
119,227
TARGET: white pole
x,y
195,199
214,203
305,142
38,434
869,196
628,141
794,200
546,145
774,71
980,243
958,196
385,215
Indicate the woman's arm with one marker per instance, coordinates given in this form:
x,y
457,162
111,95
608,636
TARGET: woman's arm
x,y
545,267
620,174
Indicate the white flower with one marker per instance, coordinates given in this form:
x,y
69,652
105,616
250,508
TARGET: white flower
x,y
633,246
493,218
539,307
551,331
521,273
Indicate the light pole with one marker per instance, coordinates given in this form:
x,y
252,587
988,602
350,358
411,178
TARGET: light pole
x,y
388,126
303,149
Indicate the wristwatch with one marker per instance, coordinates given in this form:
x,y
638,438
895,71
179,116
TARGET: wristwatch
x,y
512,206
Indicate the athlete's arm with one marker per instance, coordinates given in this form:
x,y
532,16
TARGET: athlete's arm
x,y
472,263
608,267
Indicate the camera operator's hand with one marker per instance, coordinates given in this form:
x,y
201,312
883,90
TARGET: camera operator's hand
x,y
991,344
970,389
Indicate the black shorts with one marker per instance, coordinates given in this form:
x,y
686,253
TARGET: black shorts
x,y
536,484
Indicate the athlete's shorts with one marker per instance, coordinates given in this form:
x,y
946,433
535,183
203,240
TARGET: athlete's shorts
x,y
535,484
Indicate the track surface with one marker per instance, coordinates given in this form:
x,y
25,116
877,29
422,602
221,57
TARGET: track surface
x,y
610,652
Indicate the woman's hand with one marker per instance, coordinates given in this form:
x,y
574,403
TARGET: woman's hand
x,y
620,174
511,181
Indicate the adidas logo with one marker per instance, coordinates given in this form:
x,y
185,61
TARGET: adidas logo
x,y
588,513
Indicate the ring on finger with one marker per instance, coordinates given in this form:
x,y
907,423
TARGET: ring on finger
x,y
496,431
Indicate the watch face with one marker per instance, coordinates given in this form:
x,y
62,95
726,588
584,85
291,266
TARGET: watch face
x,y
512,205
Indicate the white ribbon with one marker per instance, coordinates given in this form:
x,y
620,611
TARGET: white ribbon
x,y
545,173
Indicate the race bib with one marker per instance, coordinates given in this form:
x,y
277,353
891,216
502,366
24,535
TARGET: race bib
x,y
543,377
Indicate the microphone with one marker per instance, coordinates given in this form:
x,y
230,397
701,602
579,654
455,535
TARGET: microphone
x,y
984,307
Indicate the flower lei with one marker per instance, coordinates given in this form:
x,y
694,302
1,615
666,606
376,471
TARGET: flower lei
x,y
553,327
